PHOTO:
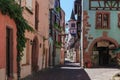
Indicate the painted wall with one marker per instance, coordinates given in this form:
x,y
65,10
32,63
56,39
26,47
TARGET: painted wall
x,y
43,25
113,32
6,21
43,28
62,24
89,24
72,30
57,56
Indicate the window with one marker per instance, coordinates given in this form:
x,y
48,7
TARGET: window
x,y
72,31
29,4
25,58
102,20
72,24
17,1
119,20
36,15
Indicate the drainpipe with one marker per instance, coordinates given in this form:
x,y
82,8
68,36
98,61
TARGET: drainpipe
x,y
82,63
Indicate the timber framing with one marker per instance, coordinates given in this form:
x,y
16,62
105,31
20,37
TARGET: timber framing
x,y
104,5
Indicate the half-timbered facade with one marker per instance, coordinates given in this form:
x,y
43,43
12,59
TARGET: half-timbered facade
x,y
100,32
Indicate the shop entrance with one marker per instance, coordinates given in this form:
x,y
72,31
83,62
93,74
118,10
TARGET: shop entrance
x,y
104,56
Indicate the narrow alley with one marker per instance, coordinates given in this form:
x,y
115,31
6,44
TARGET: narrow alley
x,y
70,71
60,40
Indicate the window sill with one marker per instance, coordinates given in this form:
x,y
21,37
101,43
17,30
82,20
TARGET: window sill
x,y
30,11
102,28
25,64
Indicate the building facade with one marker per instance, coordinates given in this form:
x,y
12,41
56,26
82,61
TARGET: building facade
x,y
62,24
36,52
78,12
74,41
8,51
100,33
55,31
43,46
51,42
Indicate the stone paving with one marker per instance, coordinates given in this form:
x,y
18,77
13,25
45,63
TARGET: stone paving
x,y
66,72
102,73
72,71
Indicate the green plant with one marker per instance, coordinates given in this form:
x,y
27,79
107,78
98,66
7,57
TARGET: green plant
x,y
56,26
58,44
12,9
58,9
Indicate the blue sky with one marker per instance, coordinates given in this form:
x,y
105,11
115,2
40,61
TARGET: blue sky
x,y
67,6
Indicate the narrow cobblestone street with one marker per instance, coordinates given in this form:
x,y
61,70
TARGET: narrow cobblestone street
x,y
71,71
66,72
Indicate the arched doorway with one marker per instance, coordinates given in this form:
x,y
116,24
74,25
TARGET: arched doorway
x,y
100,51
34,56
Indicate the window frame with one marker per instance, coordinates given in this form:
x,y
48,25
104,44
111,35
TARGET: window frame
x,y
26,53
102,20
118,20
73,25
29,6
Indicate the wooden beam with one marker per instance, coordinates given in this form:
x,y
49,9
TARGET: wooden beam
x,y
108,5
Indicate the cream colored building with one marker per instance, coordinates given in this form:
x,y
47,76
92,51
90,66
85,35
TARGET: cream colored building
x,y
35,58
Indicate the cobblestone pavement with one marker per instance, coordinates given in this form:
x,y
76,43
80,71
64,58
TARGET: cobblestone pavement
x,y
102,73
67,72
71,71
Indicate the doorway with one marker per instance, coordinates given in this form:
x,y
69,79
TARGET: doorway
x,y
34,55
9,53
104,56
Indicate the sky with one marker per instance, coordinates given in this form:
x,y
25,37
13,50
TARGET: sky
x,y
67,6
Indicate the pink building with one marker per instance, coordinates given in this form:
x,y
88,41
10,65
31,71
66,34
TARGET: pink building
x,y
36,51
72,25
35,58
74,42
8,51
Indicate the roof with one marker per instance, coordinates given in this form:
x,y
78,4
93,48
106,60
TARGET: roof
x,y
72,15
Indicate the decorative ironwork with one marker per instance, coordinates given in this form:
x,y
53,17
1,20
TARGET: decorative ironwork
x,y
104,4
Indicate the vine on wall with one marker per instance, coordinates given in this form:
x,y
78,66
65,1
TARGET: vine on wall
x,y
12,9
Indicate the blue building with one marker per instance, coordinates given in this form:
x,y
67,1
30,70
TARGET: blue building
x,y
101,30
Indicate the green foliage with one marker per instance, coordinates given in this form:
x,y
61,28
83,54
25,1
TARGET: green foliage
x,y
58,44
12,9
58,9
56,26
